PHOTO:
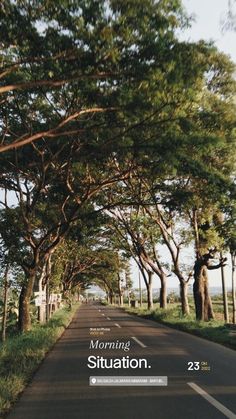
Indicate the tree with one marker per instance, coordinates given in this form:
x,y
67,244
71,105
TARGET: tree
x,y
203,304
86,59
174,239
105,273
186,158
229,21
137,238
227,232
150,224
51,188
115,91
233,263
8,284
5,299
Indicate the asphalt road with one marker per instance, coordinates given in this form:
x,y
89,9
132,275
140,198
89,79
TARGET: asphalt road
x,y
60,388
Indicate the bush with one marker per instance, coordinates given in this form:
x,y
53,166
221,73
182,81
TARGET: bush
x,y
21,355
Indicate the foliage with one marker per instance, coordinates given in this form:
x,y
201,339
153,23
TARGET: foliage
x,y
114,112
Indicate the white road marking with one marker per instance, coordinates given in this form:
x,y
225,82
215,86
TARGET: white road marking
x,y
213,401
117,325
138,341
108,318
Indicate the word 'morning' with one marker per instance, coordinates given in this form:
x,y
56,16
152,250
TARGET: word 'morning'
x,y
97,344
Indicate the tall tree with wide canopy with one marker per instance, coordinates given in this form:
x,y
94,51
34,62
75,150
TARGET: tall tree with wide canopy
x,y
71,73
81,60
95,85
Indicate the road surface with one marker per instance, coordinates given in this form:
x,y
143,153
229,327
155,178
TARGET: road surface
x,y
60,389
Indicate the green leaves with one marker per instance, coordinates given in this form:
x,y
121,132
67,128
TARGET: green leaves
x,y
105,95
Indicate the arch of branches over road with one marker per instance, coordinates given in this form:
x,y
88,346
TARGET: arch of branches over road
x,y
117,139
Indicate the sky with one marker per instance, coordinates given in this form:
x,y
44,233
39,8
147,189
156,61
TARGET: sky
x,y
208,16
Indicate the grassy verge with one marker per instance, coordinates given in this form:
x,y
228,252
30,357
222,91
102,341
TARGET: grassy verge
x,y
21,355
214,330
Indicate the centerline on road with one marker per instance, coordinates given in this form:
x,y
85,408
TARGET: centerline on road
x,y
132,337
138,342
214,402
69,395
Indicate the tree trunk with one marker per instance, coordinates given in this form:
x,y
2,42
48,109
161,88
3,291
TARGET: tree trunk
x,y
47,282
163,292
198,300
5,295
157,269
42,313
208,308
121,302
24,323
48,306
202,299
111,297
149,291
184,297
42,307
233,257
224,292
148,284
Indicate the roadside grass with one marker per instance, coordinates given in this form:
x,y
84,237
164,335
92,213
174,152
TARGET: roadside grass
x,y
21,355
214,330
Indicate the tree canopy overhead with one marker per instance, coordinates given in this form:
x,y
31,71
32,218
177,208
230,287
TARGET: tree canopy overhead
x,y
80,63
98,98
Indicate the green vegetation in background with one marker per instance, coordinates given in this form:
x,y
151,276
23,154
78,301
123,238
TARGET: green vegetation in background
x,y
214,330
21,355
